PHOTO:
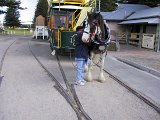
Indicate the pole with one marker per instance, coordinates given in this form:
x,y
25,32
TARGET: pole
x,y
158,37
99,5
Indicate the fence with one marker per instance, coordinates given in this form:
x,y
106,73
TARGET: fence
x,y
16,32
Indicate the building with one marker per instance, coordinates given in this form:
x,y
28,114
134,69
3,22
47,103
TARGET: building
x,y
123,11
143,28
135,24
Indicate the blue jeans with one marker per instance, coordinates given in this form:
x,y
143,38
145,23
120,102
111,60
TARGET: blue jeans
x,y
80,68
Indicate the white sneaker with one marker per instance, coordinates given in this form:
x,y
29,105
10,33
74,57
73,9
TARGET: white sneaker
x,y
83,81
80,83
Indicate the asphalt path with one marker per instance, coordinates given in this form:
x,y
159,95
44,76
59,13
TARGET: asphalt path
x,y
142,82
27,92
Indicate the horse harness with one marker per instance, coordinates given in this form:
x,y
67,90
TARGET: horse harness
x,y
98,44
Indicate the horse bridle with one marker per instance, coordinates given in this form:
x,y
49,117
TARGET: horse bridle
x,y
91,34
102,44
97,24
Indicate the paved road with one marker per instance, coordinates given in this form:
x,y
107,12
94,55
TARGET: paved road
x,y
146,79
142,82
141,56
27,93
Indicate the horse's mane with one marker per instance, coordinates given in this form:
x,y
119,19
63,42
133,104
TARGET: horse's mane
x,y
102,26
99,17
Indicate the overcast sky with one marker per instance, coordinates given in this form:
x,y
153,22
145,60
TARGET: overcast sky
x,y
25,15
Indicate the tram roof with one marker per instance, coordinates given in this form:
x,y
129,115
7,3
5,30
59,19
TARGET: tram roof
x,y
69,1
68,7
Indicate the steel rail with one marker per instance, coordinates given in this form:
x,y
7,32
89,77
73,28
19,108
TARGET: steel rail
x,y
69,94
72,92
2,61
78,102
143,98
148,102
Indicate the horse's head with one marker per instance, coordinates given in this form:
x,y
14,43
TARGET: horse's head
x,y
93,28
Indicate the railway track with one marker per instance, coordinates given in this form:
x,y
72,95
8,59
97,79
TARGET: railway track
x,y
2,60
148,102
140,96
69,94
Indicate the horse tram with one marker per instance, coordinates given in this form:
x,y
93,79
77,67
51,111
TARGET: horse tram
x,y
63,18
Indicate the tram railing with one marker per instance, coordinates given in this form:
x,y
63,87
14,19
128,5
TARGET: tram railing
x,y
91,3
75,17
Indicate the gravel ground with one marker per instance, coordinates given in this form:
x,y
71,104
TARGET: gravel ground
x,y
141,56
107,101
27,92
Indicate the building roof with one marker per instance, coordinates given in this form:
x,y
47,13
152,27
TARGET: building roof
x,y
149,16
147,13
123,11
140,21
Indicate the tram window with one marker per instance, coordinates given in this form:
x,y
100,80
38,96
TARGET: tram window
x,y
59,21
70,19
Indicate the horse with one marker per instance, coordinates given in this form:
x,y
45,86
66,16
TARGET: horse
x,y
97,33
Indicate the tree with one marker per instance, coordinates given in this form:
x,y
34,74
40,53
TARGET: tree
x,y
151,3
9,3
41,9
12,17
108,5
